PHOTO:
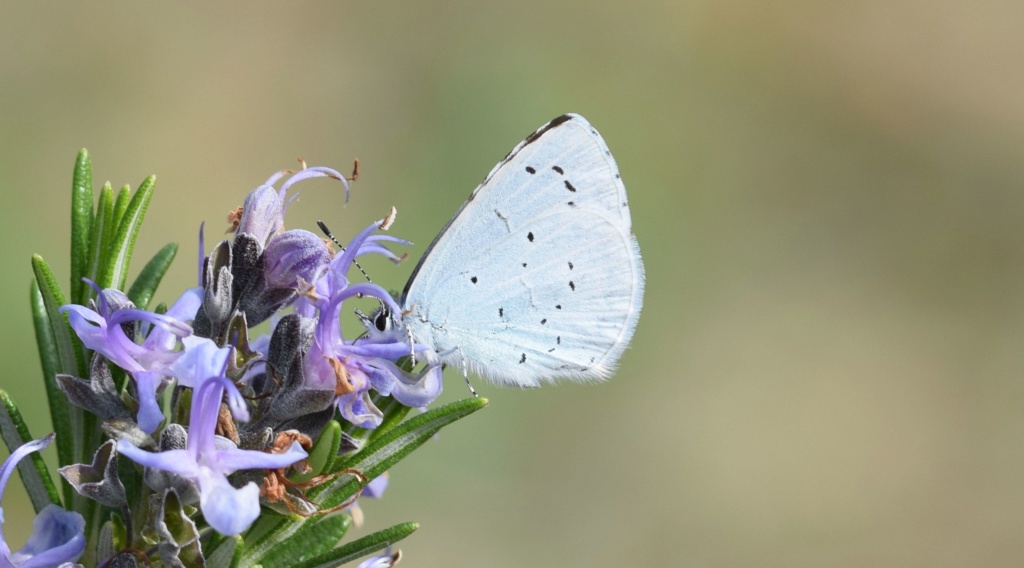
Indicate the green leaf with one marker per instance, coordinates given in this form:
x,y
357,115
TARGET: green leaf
x,y
379,455
34,474
360,547
226,553
49,359
314,538
141,292
394,413
85,435
115,270
69,348
373,460
322,452
124,195
105,545
81,219
85,432
99,243
258,537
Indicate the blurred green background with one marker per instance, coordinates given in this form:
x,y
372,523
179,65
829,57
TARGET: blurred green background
x,y
828,197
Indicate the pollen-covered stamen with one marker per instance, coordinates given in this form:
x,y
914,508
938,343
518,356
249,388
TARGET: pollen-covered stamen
x,y
386,222
271,488
226,424
307,289
234,219
284,440
343,384
330,249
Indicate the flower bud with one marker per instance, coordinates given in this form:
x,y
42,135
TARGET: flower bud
x,y
293,255
262,214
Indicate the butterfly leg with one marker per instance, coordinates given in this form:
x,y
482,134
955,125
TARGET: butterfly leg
x,y
465,372
412,346
465,367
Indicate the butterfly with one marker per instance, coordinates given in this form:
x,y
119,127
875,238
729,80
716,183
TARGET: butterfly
x,y
538,275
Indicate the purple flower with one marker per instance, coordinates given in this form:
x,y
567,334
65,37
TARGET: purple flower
x,y
104,332
295,256
386,560
352,368
208,460
200,361
58,536
264,208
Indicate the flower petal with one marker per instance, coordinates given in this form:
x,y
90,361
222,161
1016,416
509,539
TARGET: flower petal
x,y
230,461
150,414
174,461
228,510
57,536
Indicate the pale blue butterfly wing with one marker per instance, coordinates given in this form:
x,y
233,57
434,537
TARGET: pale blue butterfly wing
x,y
538,276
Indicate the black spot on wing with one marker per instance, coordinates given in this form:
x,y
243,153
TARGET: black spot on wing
x,y
543,321
558,306
501,312
572,285
523,360
570,266
569,186
559,340
530,236
524,265
530,170
558,169
572,204
473,280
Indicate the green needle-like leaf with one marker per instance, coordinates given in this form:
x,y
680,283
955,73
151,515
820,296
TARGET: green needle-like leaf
x,y
81,219
141,292
34,473
226,553
394,412
86,434
373,460
124,195
49,359
115,271
360,547
316,537
69,348
99,242
378,456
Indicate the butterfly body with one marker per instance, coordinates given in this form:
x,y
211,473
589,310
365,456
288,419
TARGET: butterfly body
x,y
538,276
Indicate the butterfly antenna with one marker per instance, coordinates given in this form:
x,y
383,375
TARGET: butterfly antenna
x,y
327,232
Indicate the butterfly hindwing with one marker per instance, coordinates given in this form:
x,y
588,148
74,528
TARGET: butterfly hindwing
x,y
538,275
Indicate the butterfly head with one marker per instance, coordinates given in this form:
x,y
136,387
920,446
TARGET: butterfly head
x,y
380,323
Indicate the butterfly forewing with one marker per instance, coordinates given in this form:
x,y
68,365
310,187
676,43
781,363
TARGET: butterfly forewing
x,y
538,275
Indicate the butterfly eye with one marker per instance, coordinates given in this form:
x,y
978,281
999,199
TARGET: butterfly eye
x,y
380,320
